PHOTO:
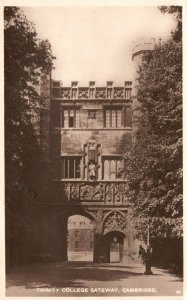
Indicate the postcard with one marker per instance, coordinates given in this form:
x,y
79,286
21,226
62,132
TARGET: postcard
x,y
93,107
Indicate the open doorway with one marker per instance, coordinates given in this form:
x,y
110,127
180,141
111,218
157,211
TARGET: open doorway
x,y
80,238
114,242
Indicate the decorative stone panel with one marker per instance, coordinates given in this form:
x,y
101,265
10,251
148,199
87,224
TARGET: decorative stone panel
x,y
110,193
118,93
91,192
92,114
83,93
109,189
100,93
74,190
114,222
119,193
66,93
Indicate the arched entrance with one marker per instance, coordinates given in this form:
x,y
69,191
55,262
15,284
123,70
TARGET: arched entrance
x,y
80,238
114,243
115,232
107,240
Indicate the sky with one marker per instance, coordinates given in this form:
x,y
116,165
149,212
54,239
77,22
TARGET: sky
x,y
95,43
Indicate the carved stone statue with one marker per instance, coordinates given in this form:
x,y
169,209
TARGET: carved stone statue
x,y
91,193
92,170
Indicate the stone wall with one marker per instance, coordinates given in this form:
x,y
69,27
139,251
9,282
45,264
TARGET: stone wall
x,y
112,141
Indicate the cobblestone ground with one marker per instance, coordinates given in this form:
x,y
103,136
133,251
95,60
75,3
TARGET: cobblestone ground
x,y
79,278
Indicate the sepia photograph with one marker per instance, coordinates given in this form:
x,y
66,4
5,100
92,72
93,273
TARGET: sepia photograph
x,y
93,105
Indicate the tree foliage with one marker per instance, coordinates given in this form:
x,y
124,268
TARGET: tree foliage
x,y
156,155
25,57
177,12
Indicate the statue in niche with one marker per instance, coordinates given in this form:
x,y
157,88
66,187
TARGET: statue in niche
x,y
92,170
92,146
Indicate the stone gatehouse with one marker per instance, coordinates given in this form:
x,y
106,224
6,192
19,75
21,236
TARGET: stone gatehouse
x,y
85,134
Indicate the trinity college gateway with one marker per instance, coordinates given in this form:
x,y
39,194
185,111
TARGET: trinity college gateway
x,y
85,133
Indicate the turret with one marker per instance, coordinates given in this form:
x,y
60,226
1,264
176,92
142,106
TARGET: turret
x,y
140,47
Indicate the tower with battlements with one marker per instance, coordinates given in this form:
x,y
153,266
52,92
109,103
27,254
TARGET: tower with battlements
x,y
88,133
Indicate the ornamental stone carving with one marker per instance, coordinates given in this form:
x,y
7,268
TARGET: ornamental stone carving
x,y
92,114
119,193
75,191
67,191
109,193
91,192
83,93
66,93
85,193
115,221
119,93
98,192
100,93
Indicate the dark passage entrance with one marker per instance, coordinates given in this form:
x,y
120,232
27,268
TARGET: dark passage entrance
x,y
114,243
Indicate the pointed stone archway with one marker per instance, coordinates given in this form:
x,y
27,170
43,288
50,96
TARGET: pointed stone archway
x,y
114,233
110,230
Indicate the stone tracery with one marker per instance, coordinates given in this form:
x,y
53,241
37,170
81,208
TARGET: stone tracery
x,y
114,222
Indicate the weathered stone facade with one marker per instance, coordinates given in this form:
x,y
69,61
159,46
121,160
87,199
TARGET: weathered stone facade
x,y
88,133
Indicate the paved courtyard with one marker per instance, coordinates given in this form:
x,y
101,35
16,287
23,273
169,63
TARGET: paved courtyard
x,y
79,278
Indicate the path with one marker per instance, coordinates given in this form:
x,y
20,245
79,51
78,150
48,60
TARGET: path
x,y
89,279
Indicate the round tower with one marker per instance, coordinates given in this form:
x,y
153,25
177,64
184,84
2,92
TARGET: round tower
x,y
140,47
